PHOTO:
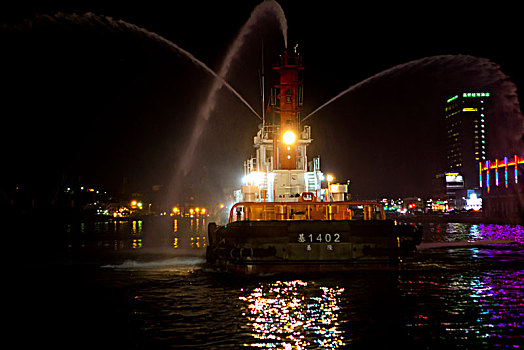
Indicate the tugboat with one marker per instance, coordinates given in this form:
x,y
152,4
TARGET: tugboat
x,y
284,220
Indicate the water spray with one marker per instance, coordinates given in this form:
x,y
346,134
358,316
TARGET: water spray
x,y
111,24
481,72
268,7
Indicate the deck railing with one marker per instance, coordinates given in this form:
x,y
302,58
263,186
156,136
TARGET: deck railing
x,y
258,211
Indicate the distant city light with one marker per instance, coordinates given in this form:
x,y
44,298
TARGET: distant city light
x,y
473,202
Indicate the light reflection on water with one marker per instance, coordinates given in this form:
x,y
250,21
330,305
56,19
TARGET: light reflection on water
x,y
287,315
452,297
121,235
455,232
177,233
479,310
497,232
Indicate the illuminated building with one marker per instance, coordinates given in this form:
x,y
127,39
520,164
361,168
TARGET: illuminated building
x,y
466,143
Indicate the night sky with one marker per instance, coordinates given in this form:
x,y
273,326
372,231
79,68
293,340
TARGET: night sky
x,y
83,98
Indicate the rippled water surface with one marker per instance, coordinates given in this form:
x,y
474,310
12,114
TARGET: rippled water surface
x,y
150,288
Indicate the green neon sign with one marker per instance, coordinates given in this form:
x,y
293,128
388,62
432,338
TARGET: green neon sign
x,y
452,98
475,94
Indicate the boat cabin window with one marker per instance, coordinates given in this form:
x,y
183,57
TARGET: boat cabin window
x,y
288,95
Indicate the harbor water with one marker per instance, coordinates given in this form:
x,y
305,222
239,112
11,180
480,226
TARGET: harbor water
x,y
144,284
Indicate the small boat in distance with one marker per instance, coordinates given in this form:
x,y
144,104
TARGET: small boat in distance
x,y
284,220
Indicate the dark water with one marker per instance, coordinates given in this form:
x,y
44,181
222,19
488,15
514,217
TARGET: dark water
x,y
144,284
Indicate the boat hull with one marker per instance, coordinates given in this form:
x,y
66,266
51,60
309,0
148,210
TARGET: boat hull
x,y
305,245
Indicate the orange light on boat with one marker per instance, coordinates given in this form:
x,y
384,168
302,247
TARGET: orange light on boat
x,y
289,137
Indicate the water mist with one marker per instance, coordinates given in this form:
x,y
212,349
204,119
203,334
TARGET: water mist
x,y
262,10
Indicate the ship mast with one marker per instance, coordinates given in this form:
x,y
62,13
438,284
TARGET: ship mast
x,y
263,90
289,105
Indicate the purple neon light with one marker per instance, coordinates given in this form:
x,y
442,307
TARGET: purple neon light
x,y
487,175
480,179
496,165
516,171
506,171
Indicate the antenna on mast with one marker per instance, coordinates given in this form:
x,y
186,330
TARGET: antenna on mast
x,y
262,89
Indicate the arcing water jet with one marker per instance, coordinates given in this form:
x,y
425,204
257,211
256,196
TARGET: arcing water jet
x,y
268,7
94,20
457,70
113,25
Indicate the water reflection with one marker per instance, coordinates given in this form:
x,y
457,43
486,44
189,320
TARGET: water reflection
x,y
154,232
456,232
483,309
497,232
469,297
294,315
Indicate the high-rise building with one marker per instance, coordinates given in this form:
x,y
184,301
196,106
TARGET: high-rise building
x,y
466,139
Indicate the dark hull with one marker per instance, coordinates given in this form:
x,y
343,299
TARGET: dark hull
x,y
310,246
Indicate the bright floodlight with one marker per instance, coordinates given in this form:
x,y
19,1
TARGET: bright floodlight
x,y
330,178
289,137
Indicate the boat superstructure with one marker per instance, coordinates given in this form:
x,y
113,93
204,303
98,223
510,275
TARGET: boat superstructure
x,y
280,170
285,217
